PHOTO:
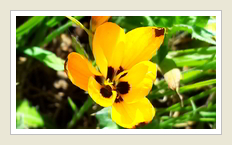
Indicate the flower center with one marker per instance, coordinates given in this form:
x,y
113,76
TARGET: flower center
x,y
108,82
112,82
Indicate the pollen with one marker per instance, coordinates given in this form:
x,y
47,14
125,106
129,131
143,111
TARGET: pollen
x,y
108,83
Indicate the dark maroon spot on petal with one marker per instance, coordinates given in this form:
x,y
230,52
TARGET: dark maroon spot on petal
x,y
141,124
123,75
120,70
159,32
118,99
106,91
110,73
99,79
123,87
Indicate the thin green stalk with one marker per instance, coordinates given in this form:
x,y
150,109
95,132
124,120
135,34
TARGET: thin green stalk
x,y
171,121
189,76
207,119
56,33
27,26
202,50
194,98
183,89
207,114
149,21
77,116
78,23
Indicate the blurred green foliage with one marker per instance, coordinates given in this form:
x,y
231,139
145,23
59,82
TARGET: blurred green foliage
x,y
28,116
199,57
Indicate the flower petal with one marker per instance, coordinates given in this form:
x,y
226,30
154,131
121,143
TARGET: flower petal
x,y
143,88
141,44
117,56
108,44
152,70
131,115
94,90
97,21
139,91
100,58
135,75
79,69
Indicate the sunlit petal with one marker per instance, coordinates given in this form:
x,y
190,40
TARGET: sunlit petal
x,y
79,70
141,89
108,45
141,44
131,115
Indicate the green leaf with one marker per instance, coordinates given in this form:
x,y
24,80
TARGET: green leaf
x,y
211,26
47,57
27,26
104,118
177,106
185,118
132,22
58,31
187,88
207,114
202,50
203,35
193,106
164,21
129,22
192,60
55,33
167,65
78,114
161,53
78,47
40,34
187,20
193,57
197,32
197,85
28,116
207,70
72,104
202,21
54,21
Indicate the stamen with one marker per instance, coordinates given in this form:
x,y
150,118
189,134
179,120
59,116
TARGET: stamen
x,y
123,75
108,82
118,99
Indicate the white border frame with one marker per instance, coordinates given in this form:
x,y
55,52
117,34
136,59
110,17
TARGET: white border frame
x,y
218,129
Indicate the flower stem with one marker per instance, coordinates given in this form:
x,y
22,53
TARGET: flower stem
x,y
78,23
78,114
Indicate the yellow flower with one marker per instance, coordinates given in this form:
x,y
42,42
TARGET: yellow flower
x,y
125,76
